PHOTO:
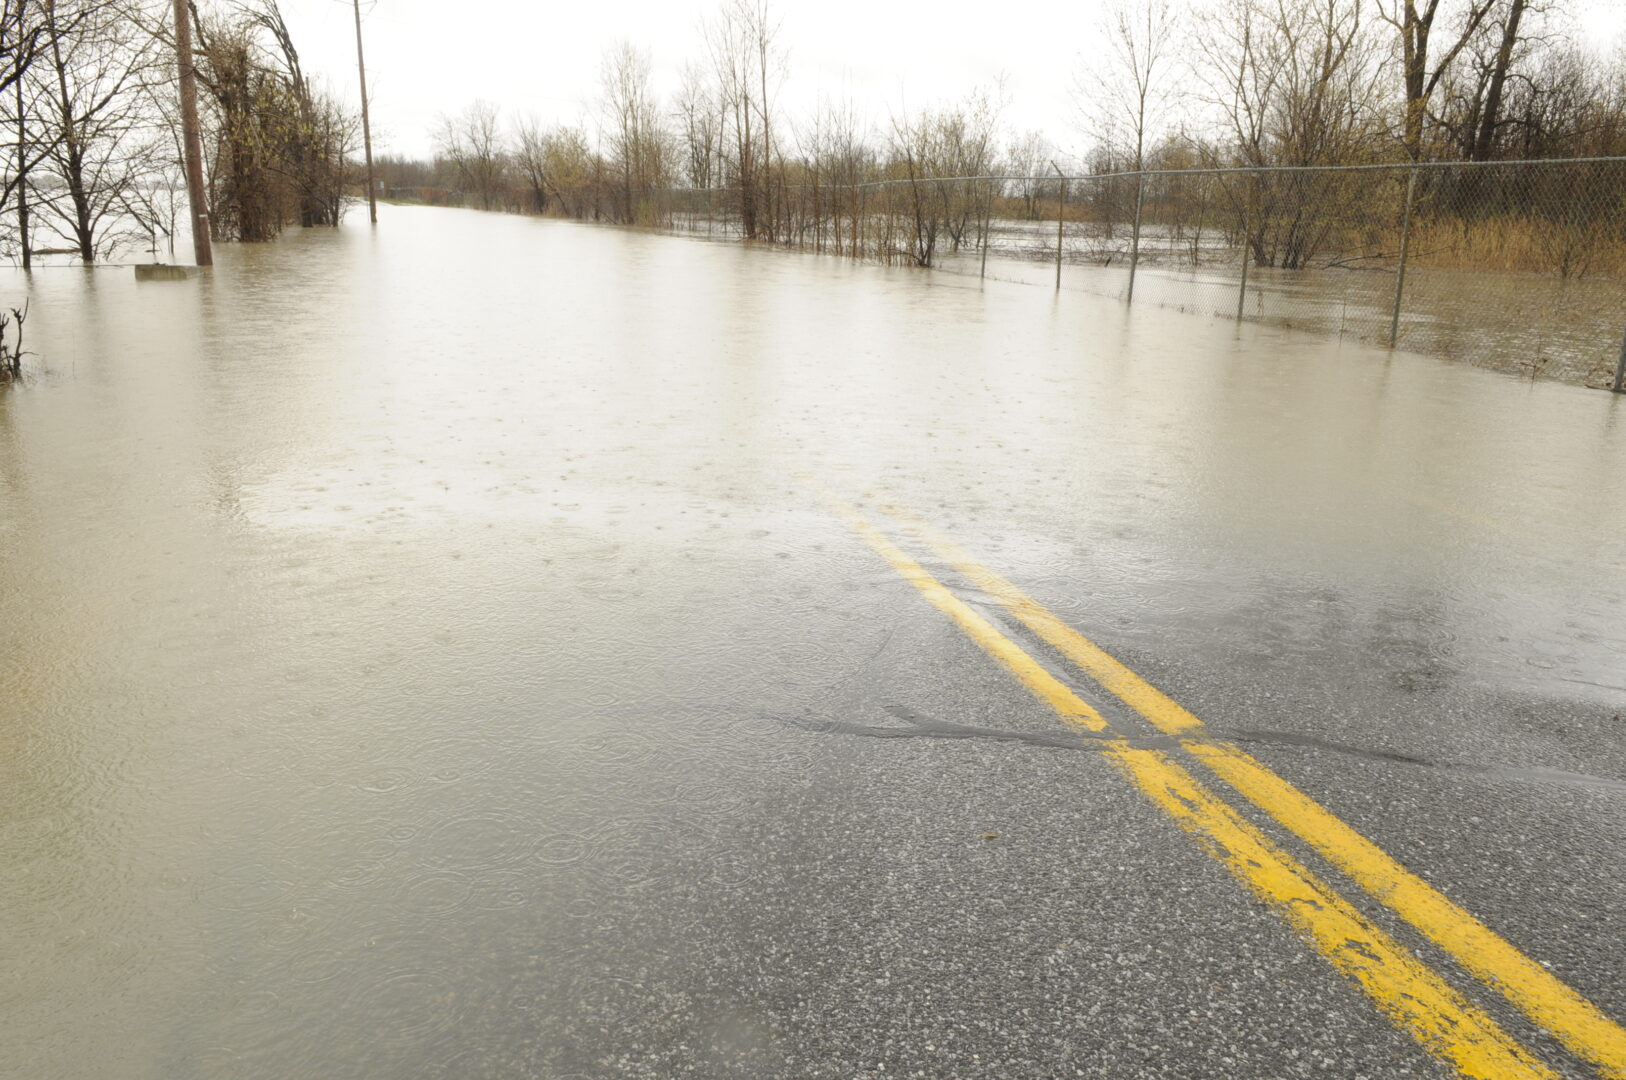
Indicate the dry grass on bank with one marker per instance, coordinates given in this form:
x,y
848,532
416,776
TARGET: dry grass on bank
x,y
1519,245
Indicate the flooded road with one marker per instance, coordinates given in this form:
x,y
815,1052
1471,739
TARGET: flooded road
x,y
457,651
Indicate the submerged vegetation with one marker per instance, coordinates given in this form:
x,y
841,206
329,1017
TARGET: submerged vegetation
x,y
11,344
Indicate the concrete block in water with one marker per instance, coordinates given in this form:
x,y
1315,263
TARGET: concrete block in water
x,y
164,272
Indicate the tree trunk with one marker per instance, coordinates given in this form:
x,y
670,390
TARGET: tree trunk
x,y
1485,142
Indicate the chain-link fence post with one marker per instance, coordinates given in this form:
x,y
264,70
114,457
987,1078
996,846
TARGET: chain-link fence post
x,y
1134,236
1405,250
1061,216
1242,289
987,217
1061,213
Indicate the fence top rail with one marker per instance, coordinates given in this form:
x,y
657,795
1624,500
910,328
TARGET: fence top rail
x,y
1233,170
1387,166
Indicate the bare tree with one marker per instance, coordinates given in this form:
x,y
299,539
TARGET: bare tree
x,y
1327,108
836,157
747,61
1236,68
1472,112
639,149
93,113
472,143
1423,60
156,201
21,31
1291,82
1568,104
1025,161
1490,115
530,159
933,151
1127,100
699,120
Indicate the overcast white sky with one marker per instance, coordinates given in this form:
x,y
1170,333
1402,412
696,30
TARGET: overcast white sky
x,y
426,57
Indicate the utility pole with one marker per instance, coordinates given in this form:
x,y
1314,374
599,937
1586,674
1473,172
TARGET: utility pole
x,y
366,125
191,143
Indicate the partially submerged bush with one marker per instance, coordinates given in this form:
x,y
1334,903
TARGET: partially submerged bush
x,y
11,352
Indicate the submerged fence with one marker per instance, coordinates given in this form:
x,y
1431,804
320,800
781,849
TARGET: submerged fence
x,y
1519,266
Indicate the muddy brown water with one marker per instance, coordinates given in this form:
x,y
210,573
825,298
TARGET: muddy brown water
x,y
392,624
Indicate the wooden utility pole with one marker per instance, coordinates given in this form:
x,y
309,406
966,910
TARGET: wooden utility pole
x,y
192,145
366,125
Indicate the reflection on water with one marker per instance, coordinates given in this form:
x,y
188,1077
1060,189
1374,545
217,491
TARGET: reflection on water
x,y
398,628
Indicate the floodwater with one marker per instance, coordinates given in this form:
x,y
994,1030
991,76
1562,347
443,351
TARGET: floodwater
x,y
1531,324
422,653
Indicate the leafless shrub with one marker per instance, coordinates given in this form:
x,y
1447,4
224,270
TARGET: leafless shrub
x,y
11,352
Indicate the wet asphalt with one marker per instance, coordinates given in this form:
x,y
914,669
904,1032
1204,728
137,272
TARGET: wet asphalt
x,y
429,655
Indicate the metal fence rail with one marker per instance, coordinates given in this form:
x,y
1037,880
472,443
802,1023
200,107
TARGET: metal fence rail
x,y
1518,266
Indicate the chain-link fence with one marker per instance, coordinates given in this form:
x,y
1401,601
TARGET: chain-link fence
x,y
1518,266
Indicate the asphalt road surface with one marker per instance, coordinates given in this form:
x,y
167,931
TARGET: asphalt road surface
x,y
503,648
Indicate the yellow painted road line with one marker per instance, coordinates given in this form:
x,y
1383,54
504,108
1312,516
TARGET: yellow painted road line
x,y
1572,1019
1410,993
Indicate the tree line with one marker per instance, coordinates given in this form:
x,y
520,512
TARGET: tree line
x,y
88,106
1252,84
89,113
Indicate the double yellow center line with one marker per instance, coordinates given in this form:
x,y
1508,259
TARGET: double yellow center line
x,y
1413,995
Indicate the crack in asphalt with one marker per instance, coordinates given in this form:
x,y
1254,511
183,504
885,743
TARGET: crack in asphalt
x,y
918,726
